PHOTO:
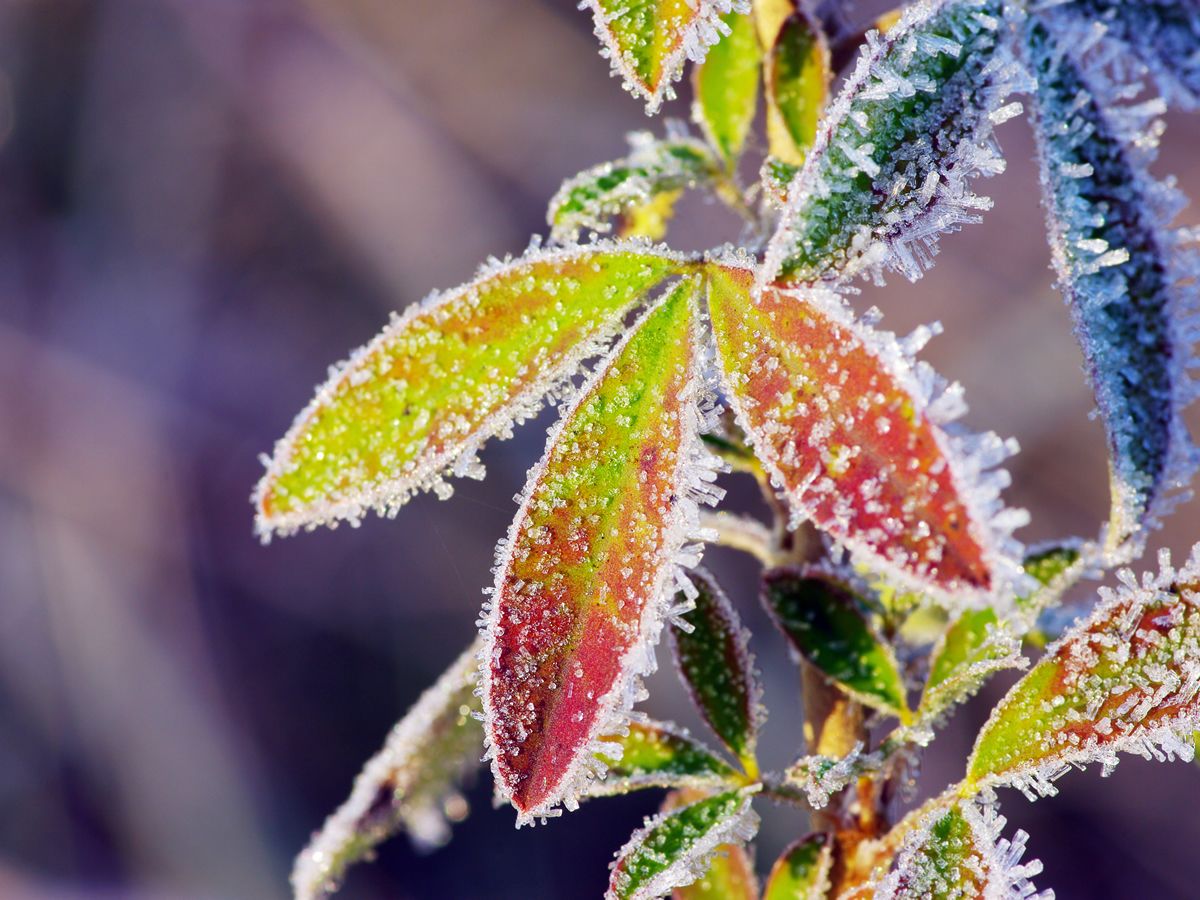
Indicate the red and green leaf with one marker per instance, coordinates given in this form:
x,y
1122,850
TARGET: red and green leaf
x,y
717,668
802,870
1126,679
854,433
826,625
798,74
585,577
656,754
416,403
674,849
408,786
726,88
648,40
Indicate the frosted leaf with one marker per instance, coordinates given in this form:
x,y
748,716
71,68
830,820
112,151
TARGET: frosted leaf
x,y
653,169
797,77
776,177
410,785
1120,268
586,575
959,853
712,650
726,88
657,754
1163,34
802,871
827,625
855,434
649,40
416,403
673,849
730,873
1124,680
892,163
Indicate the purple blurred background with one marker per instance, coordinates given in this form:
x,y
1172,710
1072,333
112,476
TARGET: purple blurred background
x,y
203,204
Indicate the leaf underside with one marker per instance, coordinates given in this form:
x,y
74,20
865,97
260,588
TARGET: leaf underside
x,y
582,580
446,375
836,413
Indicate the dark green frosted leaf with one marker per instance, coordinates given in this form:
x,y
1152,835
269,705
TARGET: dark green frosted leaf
x,y
826,625
717,668
673,849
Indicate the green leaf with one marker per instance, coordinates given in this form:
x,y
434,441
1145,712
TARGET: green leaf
x,y
958,853
730,874
726,88
653,169
851,430
797,77
1123,272
673,849
586,575
826,625
416,403
410,785
648,40
802,871
892,164
1126,679
717,667
657,754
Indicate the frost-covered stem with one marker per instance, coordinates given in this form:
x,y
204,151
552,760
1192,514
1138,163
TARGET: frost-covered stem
x,y
833,727
742,533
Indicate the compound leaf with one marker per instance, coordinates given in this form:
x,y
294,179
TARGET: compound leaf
x,y
802,870
656,754
797,79
717,668
1126,679
648,40
1119,268
825,624
850,429
958,852
417,402
891,165
410,785
586,575
654,169
726,88
674,848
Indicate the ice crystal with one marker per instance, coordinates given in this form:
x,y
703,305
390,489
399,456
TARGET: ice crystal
x,y
859,437
585,578
416,403
1125,680
653,167
959,853
657,754
674,848
1120,268
649,40
1164,34
891,167
410,784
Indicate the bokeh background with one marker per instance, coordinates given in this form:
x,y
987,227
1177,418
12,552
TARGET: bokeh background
x,y
203,204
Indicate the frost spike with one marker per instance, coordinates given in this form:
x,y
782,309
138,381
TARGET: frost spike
x,y
1124,680
673,849
726,88
657,754
712,650
1119,269
797,78
730,873
444,376
958,852
802,870
891,166
648,40
407,785
855,435
585,577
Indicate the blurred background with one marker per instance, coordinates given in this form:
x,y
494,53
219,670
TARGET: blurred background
x,y
205,203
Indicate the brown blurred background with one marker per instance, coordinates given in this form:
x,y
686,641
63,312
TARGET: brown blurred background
x,y
204,203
